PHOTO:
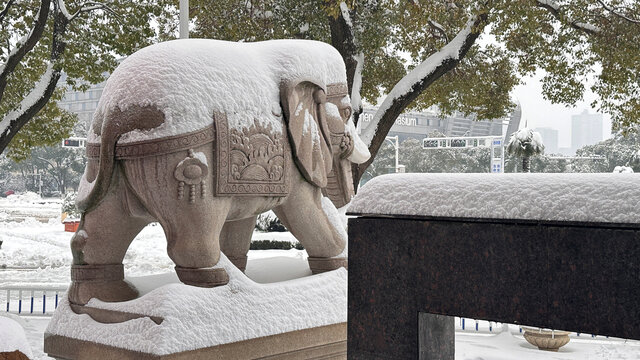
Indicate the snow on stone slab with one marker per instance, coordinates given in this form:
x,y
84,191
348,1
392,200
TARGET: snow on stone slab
x,y
609,198
12,336
190,79
200,317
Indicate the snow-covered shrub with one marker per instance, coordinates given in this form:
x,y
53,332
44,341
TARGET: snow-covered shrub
x,y
622,170
274,245
269,222
69,207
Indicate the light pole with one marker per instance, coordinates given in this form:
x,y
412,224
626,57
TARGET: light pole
x,y
184,19
395,146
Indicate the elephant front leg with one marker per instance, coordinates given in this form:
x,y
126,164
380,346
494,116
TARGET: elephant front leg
x,y
98,248
235,240
315,226
193,242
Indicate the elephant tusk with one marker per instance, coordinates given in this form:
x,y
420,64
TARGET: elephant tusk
x,y
360,152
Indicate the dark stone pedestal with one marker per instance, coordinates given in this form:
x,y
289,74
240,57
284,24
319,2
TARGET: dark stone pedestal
x,y
562,275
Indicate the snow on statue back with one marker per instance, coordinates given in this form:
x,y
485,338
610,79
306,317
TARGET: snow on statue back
x,y
190,80
609,198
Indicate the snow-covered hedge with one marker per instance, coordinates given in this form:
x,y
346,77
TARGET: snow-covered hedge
x,y
610,198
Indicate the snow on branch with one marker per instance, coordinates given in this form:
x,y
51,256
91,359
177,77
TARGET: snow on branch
x,y
554,8
24,45
86,6
356,99
4,11
29,106
618,14
439,28
452,52
35,94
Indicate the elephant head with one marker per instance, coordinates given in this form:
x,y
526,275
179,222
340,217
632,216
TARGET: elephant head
x,y
322,135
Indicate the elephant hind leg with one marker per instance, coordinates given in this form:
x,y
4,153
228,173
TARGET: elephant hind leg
x,y
235,240
193,241
303,214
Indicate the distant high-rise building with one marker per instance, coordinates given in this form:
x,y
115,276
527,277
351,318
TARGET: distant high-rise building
x,y
84,104
549,139
586,129
514,122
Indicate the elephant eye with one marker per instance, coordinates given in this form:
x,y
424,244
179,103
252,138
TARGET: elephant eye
x,y
346,113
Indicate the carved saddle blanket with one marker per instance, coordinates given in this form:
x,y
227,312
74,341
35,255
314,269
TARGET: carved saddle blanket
x,y
252,161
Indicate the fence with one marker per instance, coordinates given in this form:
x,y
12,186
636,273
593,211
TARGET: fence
x,y
41,299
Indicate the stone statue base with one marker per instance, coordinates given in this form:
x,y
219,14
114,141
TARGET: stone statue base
x,y
301,318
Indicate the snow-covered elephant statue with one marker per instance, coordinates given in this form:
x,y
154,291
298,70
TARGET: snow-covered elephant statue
x,y
204,135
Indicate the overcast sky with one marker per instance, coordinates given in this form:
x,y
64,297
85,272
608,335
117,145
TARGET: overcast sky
x,y
539,112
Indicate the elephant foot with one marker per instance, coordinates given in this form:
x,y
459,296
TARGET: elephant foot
x,y
203,277
239,261
319,265
103,282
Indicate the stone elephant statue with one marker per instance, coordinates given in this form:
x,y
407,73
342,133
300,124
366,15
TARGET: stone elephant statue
x,y
204,135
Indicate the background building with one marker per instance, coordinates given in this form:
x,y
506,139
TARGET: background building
x,y
419,125
586,129
83,103
549,139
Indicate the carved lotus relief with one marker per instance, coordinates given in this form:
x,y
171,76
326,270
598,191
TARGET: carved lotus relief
x,y
256,154
251,160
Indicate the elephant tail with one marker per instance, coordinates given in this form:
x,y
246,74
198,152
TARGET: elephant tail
x,y
118,122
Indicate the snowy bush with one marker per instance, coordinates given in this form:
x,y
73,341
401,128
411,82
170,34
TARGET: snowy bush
x,y
69,207
622,170
269,222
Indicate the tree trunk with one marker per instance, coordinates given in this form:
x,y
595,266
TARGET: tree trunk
x,y
343,39
526,163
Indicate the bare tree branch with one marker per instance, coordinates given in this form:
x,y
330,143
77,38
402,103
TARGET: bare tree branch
x,y
24,45
618,14
4,11
554,8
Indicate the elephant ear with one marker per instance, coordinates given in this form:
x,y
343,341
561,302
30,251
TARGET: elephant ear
x,y
302,103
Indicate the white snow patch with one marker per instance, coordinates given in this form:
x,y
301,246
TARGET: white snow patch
x,y
622,170
310,125
356,99
338,221
332,110
605,198
190,79
12,336
201,156
200,317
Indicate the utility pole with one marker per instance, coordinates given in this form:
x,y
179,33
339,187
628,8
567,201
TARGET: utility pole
x,y
184,19
396,146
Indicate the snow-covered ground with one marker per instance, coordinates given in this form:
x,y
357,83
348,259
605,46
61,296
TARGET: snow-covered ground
x,y
35,251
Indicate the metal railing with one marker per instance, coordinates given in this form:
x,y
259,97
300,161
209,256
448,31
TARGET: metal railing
x,y
26,299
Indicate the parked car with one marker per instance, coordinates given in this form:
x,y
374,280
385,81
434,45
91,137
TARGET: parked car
x,y
7,193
